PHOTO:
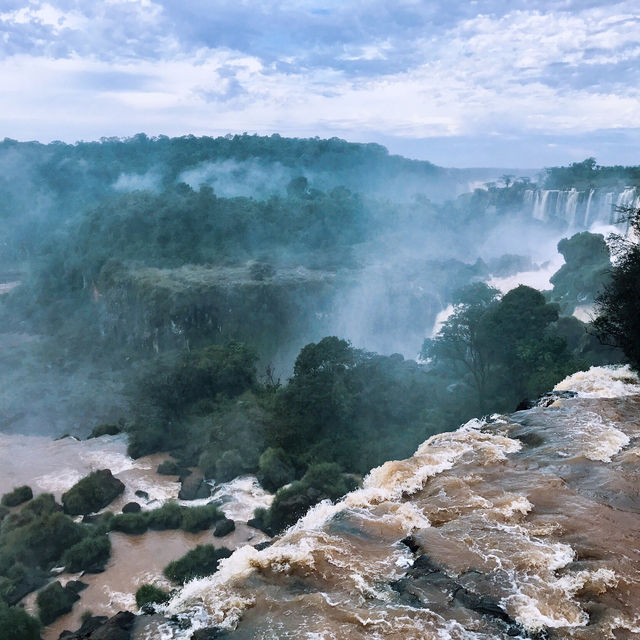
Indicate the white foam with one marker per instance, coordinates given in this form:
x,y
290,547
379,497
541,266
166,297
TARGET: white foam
x,y
602,382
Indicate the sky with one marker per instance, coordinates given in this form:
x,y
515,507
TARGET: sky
x,y
502,83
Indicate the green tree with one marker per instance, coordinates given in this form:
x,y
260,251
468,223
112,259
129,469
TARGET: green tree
x,y
618,306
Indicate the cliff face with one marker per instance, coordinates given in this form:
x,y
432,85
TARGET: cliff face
x,y
523,526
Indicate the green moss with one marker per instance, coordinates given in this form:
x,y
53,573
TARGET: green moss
x,y
92,493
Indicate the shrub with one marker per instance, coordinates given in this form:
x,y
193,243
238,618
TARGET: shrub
x,y
168,516
17,496
131,523
275,469
197,563
17,624
90,554
229,465
55,601
149,594
200,518
105,430
168,468
92,493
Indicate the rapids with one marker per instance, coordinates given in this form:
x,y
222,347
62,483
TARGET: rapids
x,y
520,526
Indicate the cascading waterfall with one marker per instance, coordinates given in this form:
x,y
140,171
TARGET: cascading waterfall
x,y
579,209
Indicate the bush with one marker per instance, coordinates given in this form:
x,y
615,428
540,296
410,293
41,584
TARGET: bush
x,y
131,523
275,469
17,624
168,468
200,518
90,554
55,601
229,466
17,496
327,478
92,493
197,563
148,594
168,516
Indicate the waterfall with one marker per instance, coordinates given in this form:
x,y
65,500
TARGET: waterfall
x,y
586,215
571,207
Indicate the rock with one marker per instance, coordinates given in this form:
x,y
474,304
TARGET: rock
x,y
410,542
194,488
224,527
119,627
131,507
211,633
76,586
105,430
263,545
142,494
92,493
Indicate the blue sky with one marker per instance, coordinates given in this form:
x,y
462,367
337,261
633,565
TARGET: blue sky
x,y
496,83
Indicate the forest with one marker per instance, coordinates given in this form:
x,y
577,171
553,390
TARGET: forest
x,y
223,327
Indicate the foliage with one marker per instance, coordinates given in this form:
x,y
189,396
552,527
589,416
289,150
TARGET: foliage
x,y
150,594
92,493
505,349
197,563
17,496
90,554
585,272
275,468
54,601
170,516
17,624
618,306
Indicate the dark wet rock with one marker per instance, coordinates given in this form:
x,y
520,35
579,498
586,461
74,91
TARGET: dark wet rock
x,y
131,507
263,545
427,583
410,542
54,601
545,400
224,527
142,494
210,633
194,488
105,430
92,493
119,627
76,586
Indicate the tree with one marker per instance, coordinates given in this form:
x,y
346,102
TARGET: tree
x,y
618,306
462,340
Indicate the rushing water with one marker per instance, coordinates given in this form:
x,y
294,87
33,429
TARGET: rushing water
x,y
538,513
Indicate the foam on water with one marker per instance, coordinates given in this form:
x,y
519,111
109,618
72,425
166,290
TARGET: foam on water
x,y
602,382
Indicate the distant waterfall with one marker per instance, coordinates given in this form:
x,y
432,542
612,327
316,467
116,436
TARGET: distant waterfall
x,y
578,209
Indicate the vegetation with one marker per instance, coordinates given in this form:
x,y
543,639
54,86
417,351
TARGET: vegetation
x,y
150,594
17,624
92,493
54,601
17,496
90,554
618,306
588,175
197,563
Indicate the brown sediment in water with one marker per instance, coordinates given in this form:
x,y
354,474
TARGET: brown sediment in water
x,y
524,525
135,560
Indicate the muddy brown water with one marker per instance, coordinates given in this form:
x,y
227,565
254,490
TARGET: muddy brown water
x,y
537,516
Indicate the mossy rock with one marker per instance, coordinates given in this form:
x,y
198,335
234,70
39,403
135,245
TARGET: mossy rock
x,y
224,527
92,493
197,563
18,496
